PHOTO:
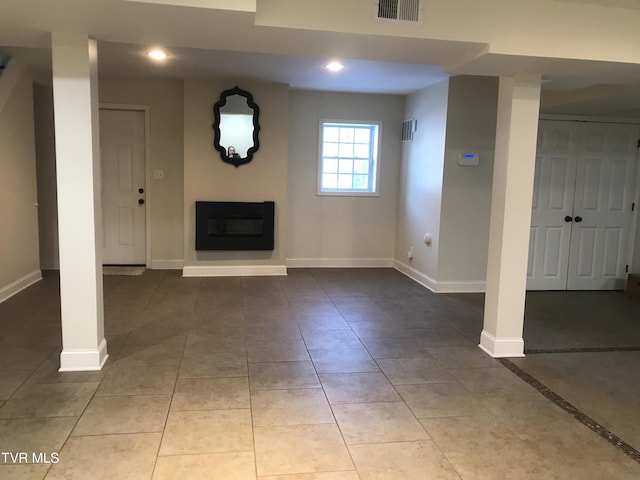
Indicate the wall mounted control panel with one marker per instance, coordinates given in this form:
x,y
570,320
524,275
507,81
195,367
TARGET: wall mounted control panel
x,y
468,159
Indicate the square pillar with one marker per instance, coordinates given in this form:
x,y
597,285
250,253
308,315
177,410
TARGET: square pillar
x,y
75,101
511,201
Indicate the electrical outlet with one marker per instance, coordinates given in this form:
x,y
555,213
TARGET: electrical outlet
x,y
410,253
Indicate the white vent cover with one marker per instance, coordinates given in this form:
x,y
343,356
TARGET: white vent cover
x,y
398,11
408,128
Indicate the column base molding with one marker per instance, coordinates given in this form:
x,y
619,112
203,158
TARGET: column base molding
x,y
84,360
501,347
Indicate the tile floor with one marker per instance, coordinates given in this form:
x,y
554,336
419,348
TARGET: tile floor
x,y
320,375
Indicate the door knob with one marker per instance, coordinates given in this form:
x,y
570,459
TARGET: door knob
x,y
141,201
578,219
568,218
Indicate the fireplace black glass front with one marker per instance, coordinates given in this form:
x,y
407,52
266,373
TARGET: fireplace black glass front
x,y
234,225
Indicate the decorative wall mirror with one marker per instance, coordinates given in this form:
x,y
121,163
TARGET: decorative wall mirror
x,y
235,126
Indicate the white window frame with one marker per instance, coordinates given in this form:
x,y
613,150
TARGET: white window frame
x,y
375,170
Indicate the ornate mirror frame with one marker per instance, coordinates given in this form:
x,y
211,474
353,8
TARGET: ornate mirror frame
x,y
235,161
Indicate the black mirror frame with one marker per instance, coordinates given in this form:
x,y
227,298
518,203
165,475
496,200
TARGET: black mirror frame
x,y
236,162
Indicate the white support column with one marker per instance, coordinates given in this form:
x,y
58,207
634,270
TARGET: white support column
x,y
75,100
513,172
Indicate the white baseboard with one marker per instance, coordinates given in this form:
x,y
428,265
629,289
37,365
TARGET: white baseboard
x,y
167,264
52,264
84,360
501,347
413,274
478,286
19,285
339,262
234,271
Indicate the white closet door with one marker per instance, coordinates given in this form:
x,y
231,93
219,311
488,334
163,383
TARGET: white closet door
x,y
602,206
552,206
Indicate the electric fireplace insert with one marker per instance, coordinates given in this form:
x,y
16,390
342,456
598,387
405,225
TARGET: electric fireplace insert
x,y
234,225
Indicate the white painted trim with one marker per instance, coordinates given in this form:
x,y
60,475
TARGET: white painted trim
x,y
10,290
413,274
477,286
501,347
234,271
84,360
147,167
167,264
339,262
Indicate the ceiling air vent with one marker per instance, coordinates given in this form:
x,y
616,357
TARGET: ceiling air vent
x,y
398,11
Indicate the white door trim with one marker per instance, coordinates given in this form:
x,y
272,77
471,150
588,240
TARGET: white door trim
x,y
147,166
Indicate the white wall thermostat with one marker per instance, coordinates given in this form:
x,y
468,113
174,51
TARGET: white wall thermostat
x,y
468,159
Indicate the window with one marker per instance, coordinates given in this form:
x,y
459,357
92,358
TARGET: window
x,y
348,158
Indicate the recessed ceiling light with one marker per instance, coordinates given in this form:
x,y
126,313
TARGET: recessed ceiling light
x,y
157,54
335,66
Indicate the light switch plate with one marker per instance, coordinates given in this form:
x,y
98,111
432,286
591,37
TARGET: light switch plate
x,y
158,174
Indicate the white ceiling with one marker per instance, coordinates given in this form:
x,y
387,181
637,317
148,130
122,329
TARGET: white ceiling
x,y
204,42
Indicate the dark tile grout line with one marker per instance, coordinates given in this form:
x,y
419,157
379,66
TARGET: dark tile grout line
x,y
534,351
572,410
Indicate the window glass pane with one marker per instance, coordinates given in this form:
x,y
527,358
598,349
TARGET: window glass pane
x,y
361,166
330,150
361,151
363,135
345,181
330,165
346,150
361,181
331,134
346,166
329,181
346,135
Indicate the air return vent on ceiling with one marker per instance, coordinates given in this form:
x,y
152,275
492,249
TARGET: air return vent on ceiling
x,y
398,11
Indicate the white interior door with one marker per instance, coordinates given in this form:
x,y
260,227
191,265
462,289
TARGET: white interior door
x,y
582,205
553,193
602,207
122,142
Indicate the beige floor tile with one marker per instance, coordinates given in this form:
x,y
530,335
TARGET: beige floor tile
x,y
10,380
35,434
378,330
211,466
211,394
440,400
290,407
378,423
406,371
345,475
439,337
394,348
49,400
402,461
23,472
280,350
318,323
138,381
495,381
211,431
522,412
343,360
358,388
149,355
48,372
20,358
462,357
125,414
107,457
198,344
300,449
282,376
331,339
215,364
